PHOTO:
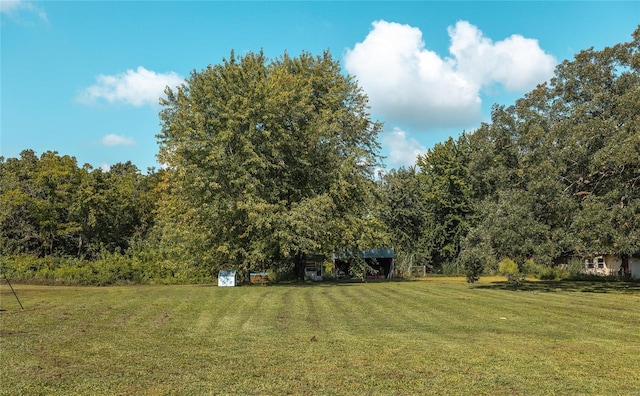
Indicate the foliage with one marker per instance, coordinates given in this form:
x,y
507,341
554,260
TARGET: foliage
x,y
428,208
267,159
553,272
404,262
575,267
107,269
50,206
508,268
474,256
446,195
453,269
403,212
556,174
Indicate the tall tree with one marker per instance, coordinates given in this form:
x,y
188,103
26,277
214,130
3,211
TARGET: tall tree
x,y
447,199
116,206
582,132
404,213
19,228
266,159
56,178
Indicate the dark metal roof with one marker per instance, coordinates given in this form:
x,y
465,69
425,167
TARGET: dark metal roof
x,y
369,253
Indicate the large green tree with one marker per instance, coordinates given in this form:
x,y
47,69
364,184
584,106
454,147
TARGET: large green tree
x,y
37,210
115,207
558,173
404,214
266,160
447,199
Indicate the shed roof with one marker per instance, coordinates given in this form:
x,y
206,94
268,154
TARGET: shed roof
x,y
369,253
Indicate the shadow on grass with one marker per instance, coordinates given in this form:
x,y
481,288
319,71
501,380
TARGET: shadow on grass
x,y
577,286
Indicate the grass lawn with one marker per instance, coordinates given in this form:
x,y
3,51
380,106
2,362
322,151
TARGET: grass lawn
x,y
439,336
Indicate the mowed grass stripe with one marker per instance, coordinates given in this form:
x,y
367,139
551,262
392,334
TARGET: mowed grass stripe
x,y
521,325
556,311
436,337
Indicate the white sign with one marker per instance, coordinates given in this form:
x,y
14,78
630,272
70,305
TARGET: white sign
x,y
226,278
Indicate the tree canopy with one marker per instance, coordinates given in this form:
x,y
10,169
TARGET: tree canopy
x,y
50,206
267,160
554,175
558,173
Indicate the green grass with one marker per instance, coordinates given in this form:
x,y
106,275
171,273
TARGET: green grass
x,y
440,336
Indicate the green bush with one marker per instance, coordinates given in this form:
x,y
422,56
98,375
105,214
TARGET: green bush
x,y
554,272
107,269
510,270
508,267
575,267
531,268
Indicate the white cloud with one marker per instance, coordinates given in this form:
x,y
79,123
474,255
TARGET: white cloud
x,y
403,150
408,83
116,140
15,8
105,167
134,87
10,6
518,63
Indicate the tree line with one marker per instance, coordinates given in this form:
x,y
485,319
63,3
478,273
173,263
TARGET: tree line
x,y
553,176
268,160
51,206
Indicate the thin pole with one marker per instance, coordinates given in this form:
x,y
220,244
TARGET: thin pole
x,y
14,292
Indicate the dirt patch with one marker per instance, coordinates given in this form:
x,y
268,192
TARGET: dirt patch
x,y
9,333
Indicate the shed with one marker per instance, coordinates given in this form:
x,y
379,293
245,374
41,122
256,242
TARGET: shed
x,y
227,278
380,260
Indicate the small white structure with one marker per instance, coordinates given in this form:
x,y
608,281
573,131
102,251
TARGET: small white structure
x,y
226,278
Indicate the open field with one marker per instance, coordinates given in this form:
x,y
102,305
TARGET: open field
x,y
440,336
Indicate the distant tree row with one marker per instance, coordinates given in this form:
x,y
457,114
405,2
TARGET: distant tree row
x,y
50,206
269,160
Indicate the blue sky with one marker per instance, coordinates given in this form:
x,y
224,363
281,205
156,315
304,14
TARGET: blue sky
x,y
83,78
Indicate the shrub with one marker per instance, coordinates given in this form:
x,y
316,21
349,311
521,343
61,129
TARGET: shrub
x,y
404,262
531,268
575,267
508,267
549,273
510,270
107,269
453,269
